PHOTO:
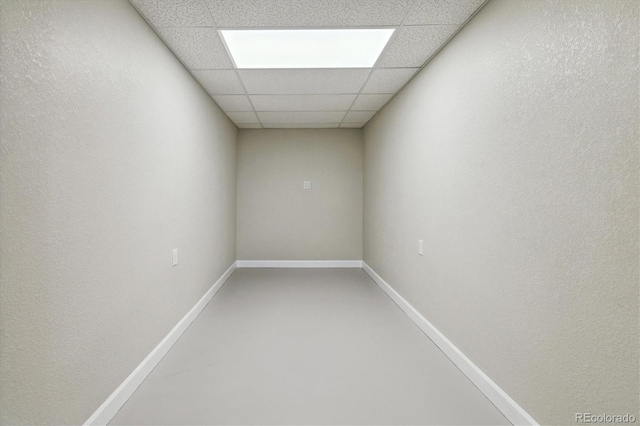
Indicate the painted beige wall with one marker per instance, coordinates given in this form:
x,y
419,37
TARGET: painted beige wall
x,y
277,219
514,155
111,156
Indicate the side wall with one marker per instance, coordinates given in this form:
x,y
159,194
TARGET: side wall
x,y
111,156
514,156
277,218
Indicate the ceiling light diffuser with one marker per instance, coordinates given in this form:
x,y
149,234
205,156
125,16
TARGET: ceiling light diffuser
x,y
347,48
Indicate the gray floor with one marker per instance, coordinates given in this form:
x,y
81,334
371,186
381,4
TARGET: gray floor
x,y
305,346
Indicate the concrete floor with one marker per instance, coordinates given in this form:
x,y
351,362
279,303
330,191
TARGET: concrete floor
x,y
305,346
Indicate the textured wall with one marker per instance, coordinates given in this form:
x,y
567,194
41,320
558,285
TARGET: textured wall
x,y
277,219
514,155
111,156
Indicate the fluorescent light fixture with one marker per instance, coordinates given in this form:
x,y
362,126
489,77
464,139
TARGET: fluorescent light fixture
x,y
352,48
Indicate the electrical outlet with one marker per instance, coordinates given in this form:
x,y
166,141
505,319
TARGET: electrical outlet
x,y
421,247
175,257
306,184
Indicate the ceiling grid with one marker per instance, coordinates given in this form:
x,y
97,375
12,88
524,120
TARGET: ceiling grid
x,y
257,125
295,98
382,54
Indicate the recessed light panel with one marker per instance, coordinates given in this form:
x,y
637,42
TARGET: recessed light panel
x,y
347,48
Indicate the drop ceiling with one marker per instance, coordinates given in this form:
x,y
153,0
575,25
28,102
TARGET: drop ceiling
x,y
304,98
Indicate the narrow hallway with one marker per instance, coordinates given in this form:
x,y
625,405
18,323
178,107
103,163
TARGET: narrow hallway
x,y
261,212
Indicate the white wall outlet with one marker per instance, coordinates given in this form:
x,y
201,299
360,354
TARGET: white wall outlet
x,y
306,184
175,257
421,247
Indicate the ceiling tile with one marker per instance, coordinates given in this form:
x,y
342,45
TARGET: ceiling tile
x,y
304,97
243,117
302,102
358,116
233,102
249,126
219,82
301,13
388,80
304,81
430,12
198,48
301,117
146,7
370,102
300,125
352,125
413,46
175,13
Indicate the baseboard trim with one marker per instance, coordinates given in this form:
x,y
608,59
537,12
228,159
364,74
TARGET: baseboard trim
x,y
117,399
511,410
299,263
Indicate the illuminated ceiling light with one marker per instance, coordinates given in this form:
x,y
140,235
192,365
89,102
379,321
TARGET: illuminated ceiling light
x,y
345,48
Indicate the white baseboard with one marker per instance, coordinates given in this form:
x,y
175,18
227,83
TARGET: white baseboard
x,y
511,410
299,263
117,399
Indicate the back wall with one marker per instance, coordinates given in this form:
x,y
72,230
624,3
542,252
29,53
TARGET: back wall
x,y
277,218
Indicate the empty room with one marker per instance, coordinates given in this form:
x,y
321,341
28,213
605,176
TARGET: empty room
x,y
319,212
